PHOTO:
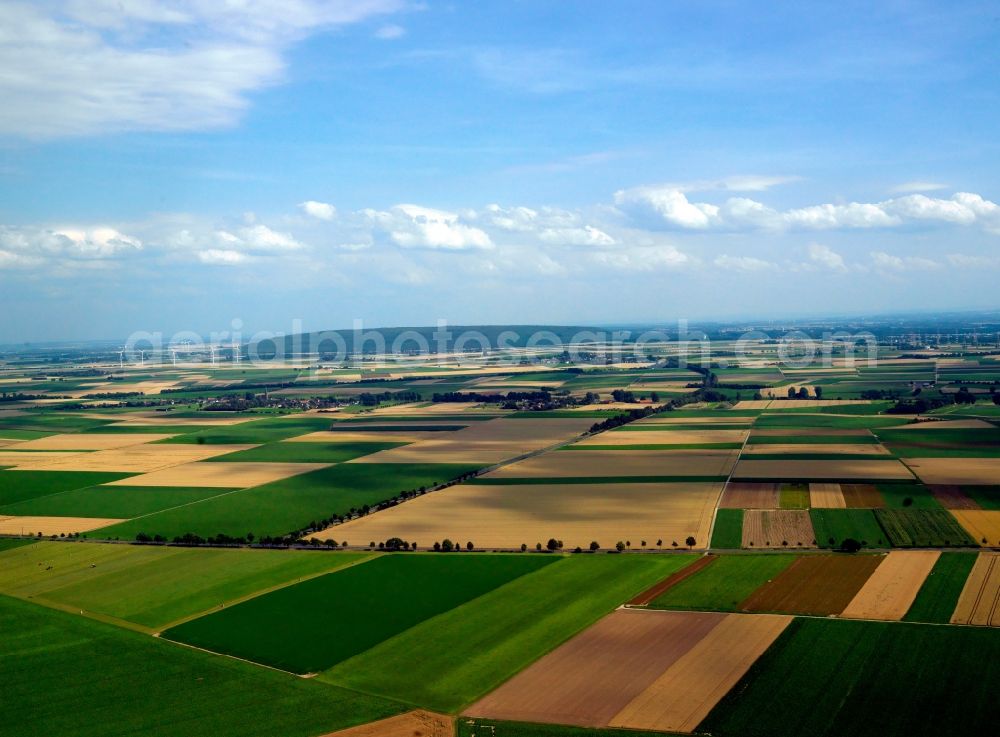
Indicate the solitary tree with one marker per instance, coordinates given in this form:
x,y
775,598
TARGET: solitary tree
x,y
595,546
690,542
469,545
619,546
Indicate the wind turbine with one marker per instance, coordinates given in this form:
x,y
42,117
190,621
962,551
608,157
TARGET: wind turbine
x,y
236,352
173,354
121,357
211,350
142,358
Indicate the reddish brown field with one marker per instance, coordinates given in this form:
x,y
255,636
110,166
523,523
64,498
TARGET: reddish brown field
x,y
770,528
411,724
749,495
591,678
814,584
672,580
862,496
952,497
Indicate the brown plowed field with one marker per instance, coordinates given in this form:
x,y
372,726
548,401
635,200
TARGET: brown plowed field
x,y
891,590
848,469
826,496
862,496
683,696
412,724
591,678
814,584
672,580
952,497
962,471
770,528
785,432
750,495
593,463
980,599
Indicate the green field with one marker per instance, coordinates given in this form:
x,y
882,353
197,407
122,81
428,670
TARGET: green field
x,y
303,452
152,586
17,486
9,543
923,528
112,502
318,623
814,422
534,480
794,496
659,446
839,524
71,675
923,443
919,496
938,596
290,504
451,660
728,531
812,439
725,583
987,497
829,678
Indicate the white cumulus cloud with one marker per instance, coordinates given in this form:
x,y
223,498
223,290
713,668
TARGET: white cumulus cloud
x,y
826,257
413,226
318,210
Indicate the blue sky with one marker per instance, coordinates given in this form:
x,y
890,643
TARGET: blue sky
x,y
178,165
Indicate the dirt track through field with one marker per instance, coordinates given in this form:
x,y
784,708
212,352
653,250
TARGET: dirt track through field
x,y
769,528
591,678
417,723
891,589
814,584
826,496
683,696
750,495
979,602
672,580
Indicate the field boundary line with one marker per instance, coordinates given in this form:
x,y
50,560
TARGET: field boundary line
x,y
77,611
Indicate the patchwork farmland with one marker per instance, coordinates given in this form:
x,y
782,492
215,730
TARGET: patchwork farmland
x,y
590,563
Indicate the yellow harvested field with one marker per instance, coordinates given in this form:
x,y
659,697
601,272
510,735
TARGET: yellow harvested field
x,y
330,436
135,459
52,525
981,524
488,441
689,689
769,528
671,418
891,589
507,516
417,723
664,437
27,457
826,496
845,470
872,449
959,471
601,463
753,404
946,425
145,387
979,602
82,441
425,409
220,475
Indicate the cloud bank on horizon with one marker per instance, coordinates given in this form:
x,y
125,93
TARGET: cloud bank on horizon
x,y
193,161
